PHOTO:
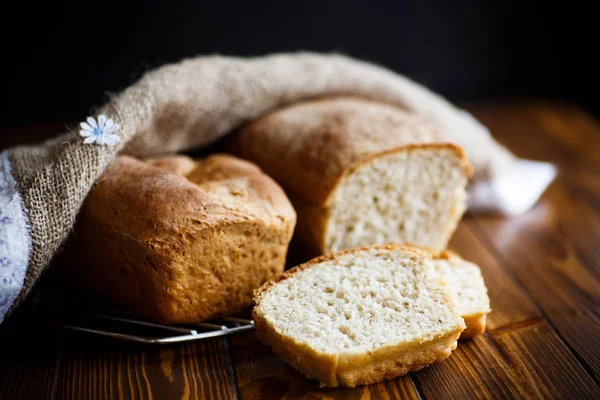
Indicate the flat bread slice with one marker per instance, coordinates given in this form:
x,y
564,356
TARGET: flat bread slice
x,y
359,316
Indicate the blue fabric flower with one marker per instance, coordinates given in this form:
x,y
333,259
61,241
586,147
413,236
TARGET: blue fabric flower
x,y
101,132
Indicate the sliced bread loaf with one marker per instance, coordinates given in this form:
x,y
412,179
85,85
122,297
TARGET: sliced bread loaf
x,y
468,288
360,173
359,316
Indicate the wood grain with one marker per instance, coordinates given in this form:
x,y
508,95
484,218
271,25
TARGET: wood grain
x,y
263,375
111,370
487,367
542,257
528,362
540,130
553,249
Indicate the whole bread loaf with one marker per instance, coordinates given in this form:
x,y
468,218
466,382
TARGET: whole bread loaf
x,y
360,172
179,240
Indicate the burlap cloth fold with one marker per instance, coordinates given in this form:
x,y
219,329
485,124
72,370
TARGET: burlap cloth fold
x,y
188,105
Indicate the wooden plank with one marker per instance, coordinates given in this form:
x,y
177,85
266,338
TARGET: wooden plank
x,y
576,150
94,368
263,375
517,357
584,185
542,130
538,249
579,221
521,362
563,135
552,249
566,136
29,359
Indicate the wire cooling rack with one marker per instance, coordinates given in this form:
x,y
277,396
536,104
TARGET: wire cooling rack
x,y
84,313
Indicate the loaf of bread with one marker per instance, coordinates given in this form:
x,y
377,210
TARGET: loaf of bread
x,y
179,240
360,172
359,316
468,288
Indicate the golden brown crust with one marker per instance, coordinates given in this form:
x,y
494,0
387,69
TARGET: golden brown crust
x,y
475,326
180,165
392,363
365,369
311,228
311,146
315,365
181,251
220,167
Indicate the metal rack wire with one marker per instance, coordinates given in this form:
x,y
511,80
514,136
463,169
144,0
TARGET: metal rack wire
x,y
82,313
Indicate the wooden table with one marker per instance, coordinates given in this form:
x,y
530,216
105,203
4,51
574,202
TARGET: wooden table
x,y
542,270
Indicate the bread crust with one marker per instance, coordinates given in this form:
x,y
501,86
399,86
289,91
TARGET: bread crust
x,y
310,147
353,370
394,362
178,240
333,370
475,325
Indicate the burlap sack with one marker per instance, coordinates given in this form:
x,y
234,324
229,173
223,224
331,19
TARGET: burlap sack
x,y
183,106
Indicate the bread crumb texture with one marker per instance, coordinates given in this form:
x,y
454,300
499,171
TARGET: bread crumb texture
x,y
415,196
468,288
376,312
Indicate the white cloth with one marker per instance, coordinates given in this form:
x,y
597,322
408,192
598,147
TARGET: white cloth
x,y
15,242
512,193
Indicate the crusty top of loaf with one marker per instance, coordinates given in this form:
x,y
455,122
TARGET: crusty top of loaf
x,y
310,146
154,199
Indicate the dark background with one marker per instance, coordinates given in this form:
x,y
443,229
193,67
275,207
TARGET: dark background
x,y
61,59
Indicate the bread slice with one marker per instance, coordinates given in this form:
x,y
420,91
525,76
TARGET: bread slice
x,y
181,240
359,316
360,172
468,288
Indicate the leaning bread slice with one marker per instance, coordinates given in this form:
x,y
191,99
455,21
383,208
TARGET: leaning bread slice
x,y
359,316
468,288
